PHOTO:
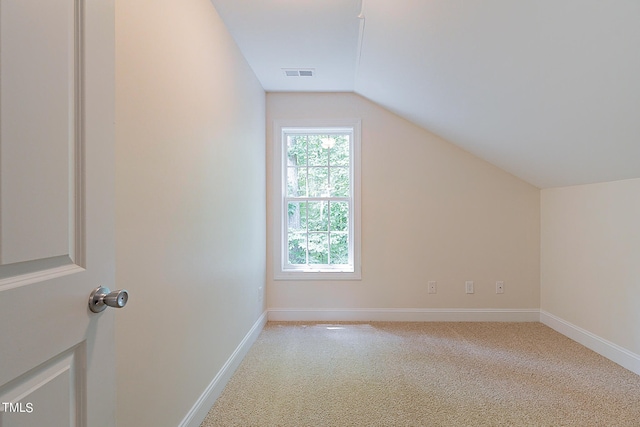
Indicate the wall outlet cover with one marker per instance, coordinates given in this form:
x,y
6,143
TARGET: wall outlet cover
x,y
468,286
432,287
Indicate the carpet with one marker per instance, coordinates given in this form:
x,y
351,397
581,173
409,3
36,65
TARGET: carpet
x,y
424,374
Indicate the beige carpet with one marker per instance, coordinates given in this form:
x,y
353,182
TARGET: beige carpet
x,y
424,374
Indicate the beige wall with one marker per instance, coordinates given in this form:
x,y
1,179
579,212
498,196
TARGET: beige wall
x,y
430,211
190,188
590,259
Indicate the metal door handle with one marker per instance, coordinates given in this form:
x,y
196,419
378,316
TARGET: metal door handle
x,y
102,297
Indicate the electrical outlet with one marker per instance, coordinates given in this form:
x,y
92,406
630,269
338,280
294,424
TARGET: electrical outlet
x,y
468,285
260,294
499,287
433,287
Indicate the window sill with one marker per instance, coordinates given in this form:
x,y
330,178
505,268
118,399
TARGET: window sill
x,y
317,275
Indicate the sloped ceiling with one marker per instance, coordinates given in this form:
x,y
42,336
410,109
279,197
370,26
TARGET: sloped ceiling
x,y
548,90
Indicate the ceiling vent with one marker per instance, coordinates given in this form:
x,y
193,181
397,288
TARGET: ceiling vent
x,y
299,72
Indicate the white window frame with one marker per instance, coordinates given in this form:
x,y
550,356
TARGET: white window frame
x,y
283,270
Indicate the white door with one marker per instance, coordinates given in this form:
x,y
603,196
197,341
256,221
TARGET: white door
x,y
56,212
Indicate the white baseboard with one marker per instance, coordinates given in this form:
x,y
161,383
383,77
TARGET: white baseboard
x,y
611,351
405,315
201,408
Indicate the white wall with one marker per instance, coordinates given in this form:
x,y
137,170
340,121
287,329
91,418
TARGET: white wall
x,y
430,211
590,259
190,188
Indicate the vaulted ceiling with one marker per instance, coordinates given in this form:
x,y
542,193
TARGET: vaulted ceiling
x,y
548,90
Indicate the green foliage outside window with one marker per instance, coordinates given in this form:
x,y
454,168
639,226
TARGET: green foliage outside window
x,y
318,166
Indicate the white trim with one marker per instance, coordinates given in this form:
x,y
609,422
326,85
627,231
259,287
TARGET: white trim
x,y
38,276
405,315
278,180
201,408
611,351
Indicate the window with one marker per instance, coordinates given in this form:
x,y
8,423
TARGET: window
x,y
317,199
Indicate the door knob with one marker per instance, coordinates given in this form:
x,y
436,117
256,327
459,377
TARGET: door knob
x,y
102,297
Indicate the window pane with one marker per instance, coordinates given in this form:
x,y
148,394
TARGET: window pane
x,y
339,248
297,248
339,216
318,154
318,182
296,182
297,216
340,182
339,153
320,199
296,150
318,248
318,216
